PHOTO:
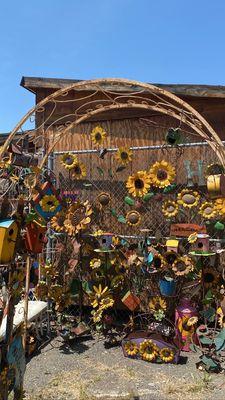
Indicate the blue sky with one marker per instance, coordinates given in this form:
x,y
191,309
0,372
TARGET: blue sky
x,y
156,41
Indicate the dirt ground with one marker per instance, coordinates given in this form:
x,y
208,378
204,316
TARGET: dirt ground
x,y
87,371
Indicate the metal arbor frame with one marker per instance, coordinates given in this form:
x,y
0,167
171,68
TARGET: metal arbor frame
x,y
114,94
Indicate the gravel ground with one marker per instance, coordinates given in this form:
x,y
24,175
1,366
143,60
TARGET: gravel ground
x,y
85,370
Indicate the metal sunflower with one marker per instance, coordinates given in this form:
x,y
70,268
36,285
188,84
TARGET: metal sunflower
x,y
131,348
162,174
138,184
79,171
166,354
188,198
124,155
133,218
170,208
68,160
207,210
148,350
219,206
98,135
57,222
78,217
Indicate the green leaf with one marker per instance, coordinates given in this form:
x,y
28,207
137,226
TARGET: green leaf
x,y
100,171
110,173
169,188
113,212
148,196
122,219
120,168
195,348
209,362
209,314
128,200
220,340
205,340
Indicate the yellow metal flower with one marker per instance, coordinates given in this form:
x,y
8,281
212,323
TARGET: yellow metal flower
x,y
57,222
133,218
124,155
170,208
98,233
157,303
78,217
98,294
106,302
219,206
138,184
148,350
192,237
131,348
192,321
166,354
221,319
79,171
162,174
97,315
207,210
5,159
49,203
95,263
68,160
188,198
209,277
182,266
98,135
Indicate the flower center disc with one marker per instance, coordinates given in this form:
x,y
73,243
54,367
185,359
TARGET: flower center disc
x,y
188,198
208,210
170,209
69,160
162,174
77,170
98,136
124,155
139,184
133,218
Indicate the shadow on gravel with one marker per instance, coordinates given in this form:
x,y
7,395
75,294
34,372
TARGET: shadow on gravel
x,y
75,345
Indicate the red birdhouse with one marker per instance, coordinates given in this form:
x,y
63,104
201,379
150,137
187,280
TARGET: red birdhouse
x,y
35,237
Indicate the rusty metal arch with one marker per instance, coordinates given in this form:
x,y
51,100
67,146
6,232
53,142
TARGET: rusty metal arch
x,y
162,102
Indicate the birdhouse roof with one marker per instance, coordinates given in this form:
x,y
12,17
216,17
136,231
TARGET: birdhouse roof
x,y
6,223
172,242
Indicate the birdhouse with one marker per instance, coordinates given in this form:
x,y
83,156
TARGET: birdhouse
x,y
216,186
172,245
105,241
130,301
8,236
47,202
35,237
202,243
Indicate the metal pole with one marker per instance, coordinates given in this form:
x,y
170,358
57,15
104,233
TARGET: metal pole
x,y
26,303
155,147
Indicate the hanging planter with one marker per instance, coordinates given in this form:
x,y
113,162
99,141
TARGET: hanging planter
x,y
167,286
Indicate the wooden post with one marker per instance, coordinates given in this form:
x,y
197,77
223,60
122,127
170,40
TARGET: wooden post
x,y
9,332
26,300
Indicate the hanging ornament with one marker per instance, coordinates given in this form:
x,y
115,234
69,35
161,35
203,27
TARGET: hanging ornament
x,y
104,199
173,136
